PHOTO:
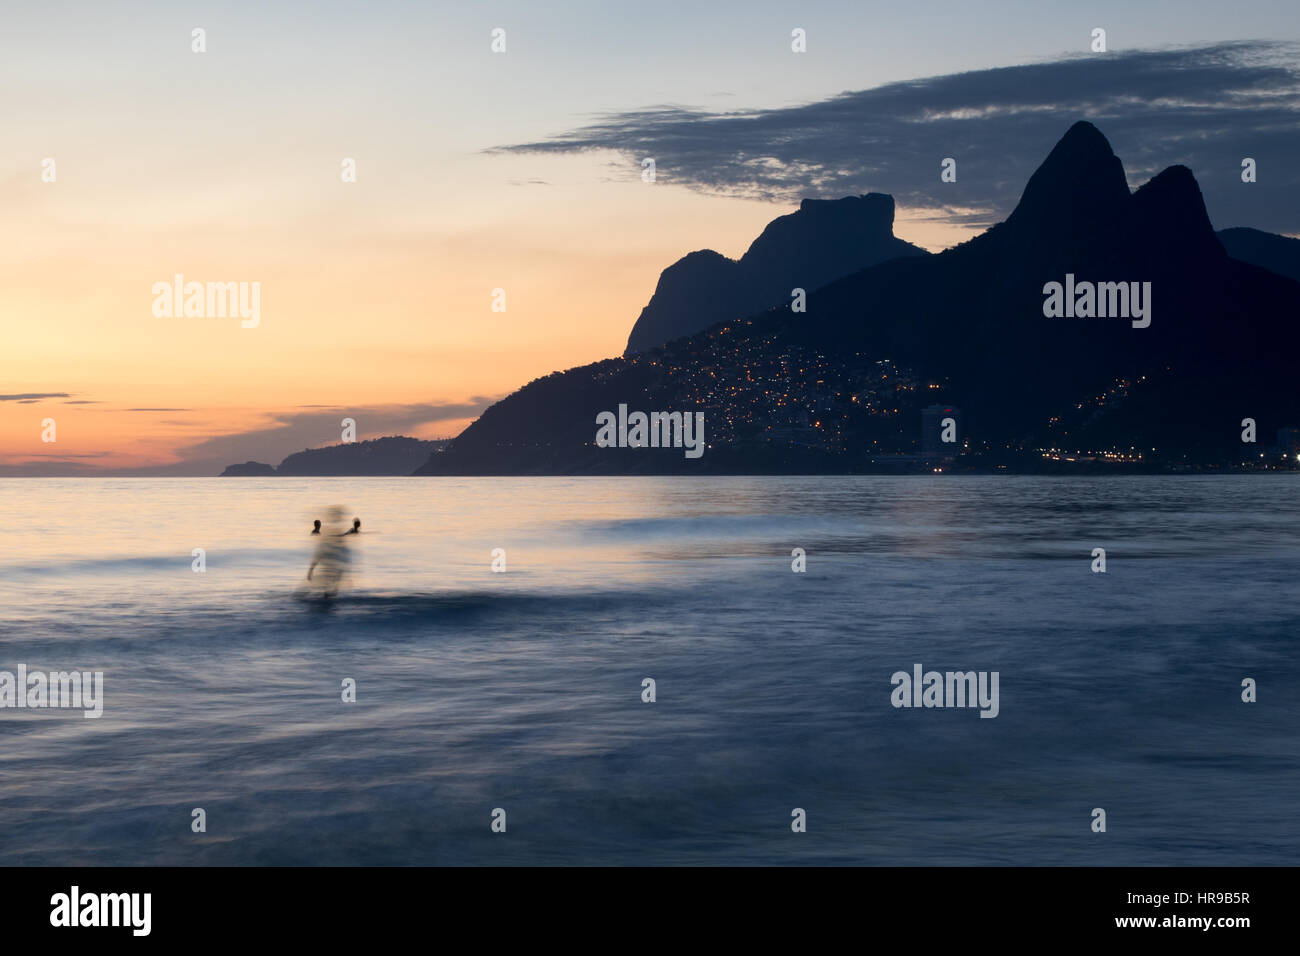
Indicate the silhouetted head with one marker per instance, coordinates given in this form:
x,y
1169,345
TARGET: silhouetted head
x,y
316,526
356,524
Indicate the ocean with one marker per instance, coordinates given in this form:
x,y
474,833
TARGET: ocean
x,y
522,691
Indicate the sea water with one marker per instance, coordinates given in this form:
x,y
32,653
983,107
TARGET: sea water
x,y
522,690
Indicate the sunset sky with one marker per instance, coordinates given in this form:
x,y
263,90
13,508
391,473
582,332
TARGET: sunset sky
x,y
519,171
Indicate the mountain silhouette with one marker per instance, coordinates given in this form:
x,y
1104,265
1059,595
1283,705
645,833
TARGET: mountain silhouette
x,y
1280,254
249,469
1077,191
394,455
823,240
845,383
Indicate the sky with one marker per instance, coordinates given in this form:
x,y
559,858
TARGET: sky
x,y
519,171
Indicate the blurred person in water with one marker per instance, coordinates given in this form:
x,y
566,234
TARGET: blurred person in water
x,y
330,564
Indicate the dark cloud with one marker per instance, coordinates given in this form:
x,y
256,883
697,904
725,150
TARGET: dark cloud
x,y
312,429
159,409
41,465
1206,107
33,396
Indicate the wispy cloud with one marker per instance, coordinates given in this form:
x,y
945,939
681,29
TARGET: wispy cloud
x,y
33,396
1206,107
67,457
271,443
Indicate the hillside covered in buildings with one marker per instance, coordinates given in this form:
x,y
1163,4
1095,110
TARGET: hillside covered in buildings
x,y
845,385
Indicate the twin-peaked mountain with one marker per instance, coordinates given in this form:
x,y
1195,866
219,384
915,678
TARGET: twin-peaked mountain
x,y
841,387
823,240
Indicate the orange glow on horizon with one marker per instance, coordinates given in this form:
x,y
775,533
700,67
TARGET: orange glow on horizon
x,y
367,301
